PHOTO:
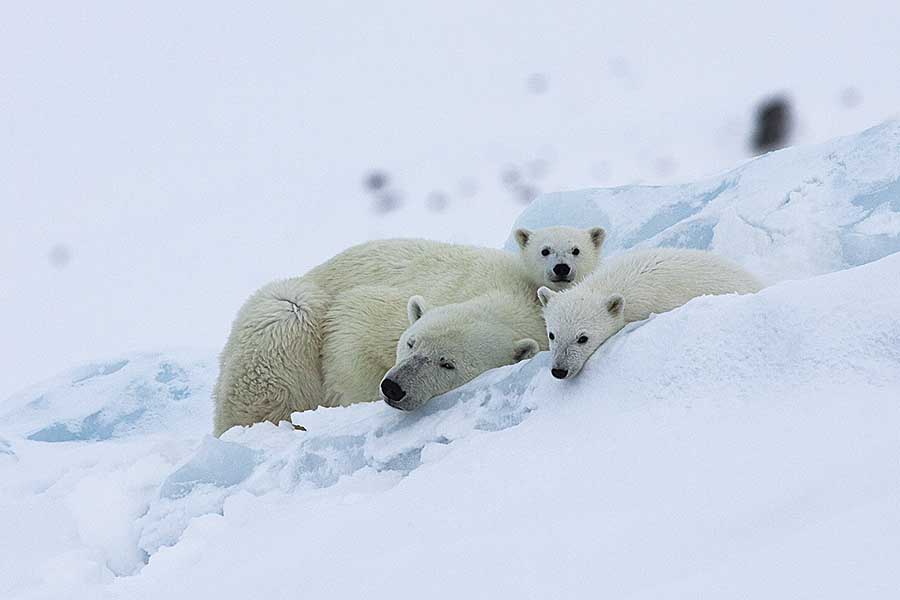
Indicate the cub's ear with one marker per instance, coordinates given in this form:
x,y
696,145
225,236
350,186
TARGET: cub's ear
x,y
525,348
615,304
522,237
545,294
598,235
415,308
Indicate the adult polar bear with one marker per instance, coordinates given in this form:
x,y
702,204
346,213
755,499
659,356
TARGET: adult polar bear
x,y
328,337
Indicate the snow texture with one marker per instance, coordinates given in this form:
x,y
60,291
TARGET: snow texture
x,y
794,213
740,446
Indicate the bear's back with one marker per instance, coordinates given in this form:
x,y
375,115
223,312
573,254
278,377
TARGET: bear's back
x,y
442,272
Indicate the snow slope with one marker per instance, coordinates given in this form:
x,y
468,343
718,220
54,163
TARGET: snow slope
x,y
736,447
756,458
794,213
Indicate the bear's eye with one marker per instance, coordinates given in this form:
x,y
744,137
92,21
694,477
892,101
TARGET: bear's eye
x,y
410,343
551,336
448,366
576,251
582,339
545,252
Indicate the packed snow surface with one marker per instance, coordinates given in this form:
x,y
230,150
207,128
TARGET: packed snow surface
x,y
794,213
740,446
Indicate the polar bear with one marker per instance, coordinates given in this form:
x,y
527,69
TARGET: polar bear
x,y
559,257
327,338
447,346
629,288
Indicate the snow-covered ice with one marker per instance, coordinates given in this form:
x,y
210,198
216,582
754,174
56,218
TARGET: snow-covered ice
x,y
788,214
740,446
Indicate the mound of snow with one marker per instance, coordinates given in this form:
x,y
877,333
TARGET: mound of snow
x,y
140,393
740,446
793,213
735,437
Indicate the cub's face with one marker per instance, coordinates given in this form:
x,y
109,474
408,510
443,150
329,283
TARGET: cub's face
x,y
558,257
444,348
577,325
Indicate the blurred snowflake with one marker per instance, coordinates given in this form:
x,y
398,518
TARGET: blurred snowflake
x,y
386,197
60,256
437,201
537,83
850,97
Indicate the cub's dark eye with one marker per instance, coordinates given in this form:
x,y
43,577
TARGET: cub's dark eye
x,y
545,252
447,366
551,336
409,343
576,251
582,339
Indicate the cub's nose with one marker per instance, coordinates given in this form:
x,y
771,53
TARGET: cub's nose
x,y
391,390
561,269
559,373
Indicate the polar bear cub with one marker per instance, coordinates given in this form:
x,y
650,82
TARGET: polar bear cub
x,y
629,288
559,257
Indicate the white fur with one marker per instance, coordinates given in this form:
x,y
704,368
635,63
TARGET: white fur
x,y
577,249
447,346
630,288
328,337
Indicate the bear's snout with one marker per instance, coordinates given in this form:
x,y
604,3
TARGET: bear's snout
x,y
561,270
559,373
392,390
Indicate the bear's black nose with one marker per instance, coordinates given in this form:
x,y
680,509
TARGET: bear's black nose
x,y
391,390
561,269
559,373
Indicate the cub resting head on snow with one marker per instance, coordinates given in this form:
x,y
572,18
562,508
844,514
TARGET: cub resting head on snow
x,y
629,288
559,257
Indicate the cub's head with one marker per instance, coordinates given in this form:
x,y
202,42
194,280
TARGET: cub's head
x,y
445,347
559,257
578,322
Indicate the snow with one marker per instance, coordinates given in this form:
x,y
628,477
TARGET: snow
x,y
740,446
139,393
793,213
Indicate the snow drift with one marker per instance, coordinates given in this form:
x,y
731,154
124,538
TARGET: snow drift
x,y
741,446
786,215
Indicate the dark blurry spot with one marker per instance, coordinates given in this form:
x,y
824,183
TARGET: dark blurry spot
x,y
467,187
600,171
850,97
536,83
526,193
375,181
437,201
510,176
664,166
387,201
59,256
537,168
386,197
773,125
521,182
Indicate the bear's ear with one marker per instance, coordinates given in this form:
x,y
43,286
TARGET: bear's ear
x,y
525,348
614,304
415,308
522,237
598,234
544,294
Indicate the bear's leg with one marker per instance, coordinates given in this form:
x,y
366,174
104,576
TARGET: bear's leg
x,y
271,365
361,332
